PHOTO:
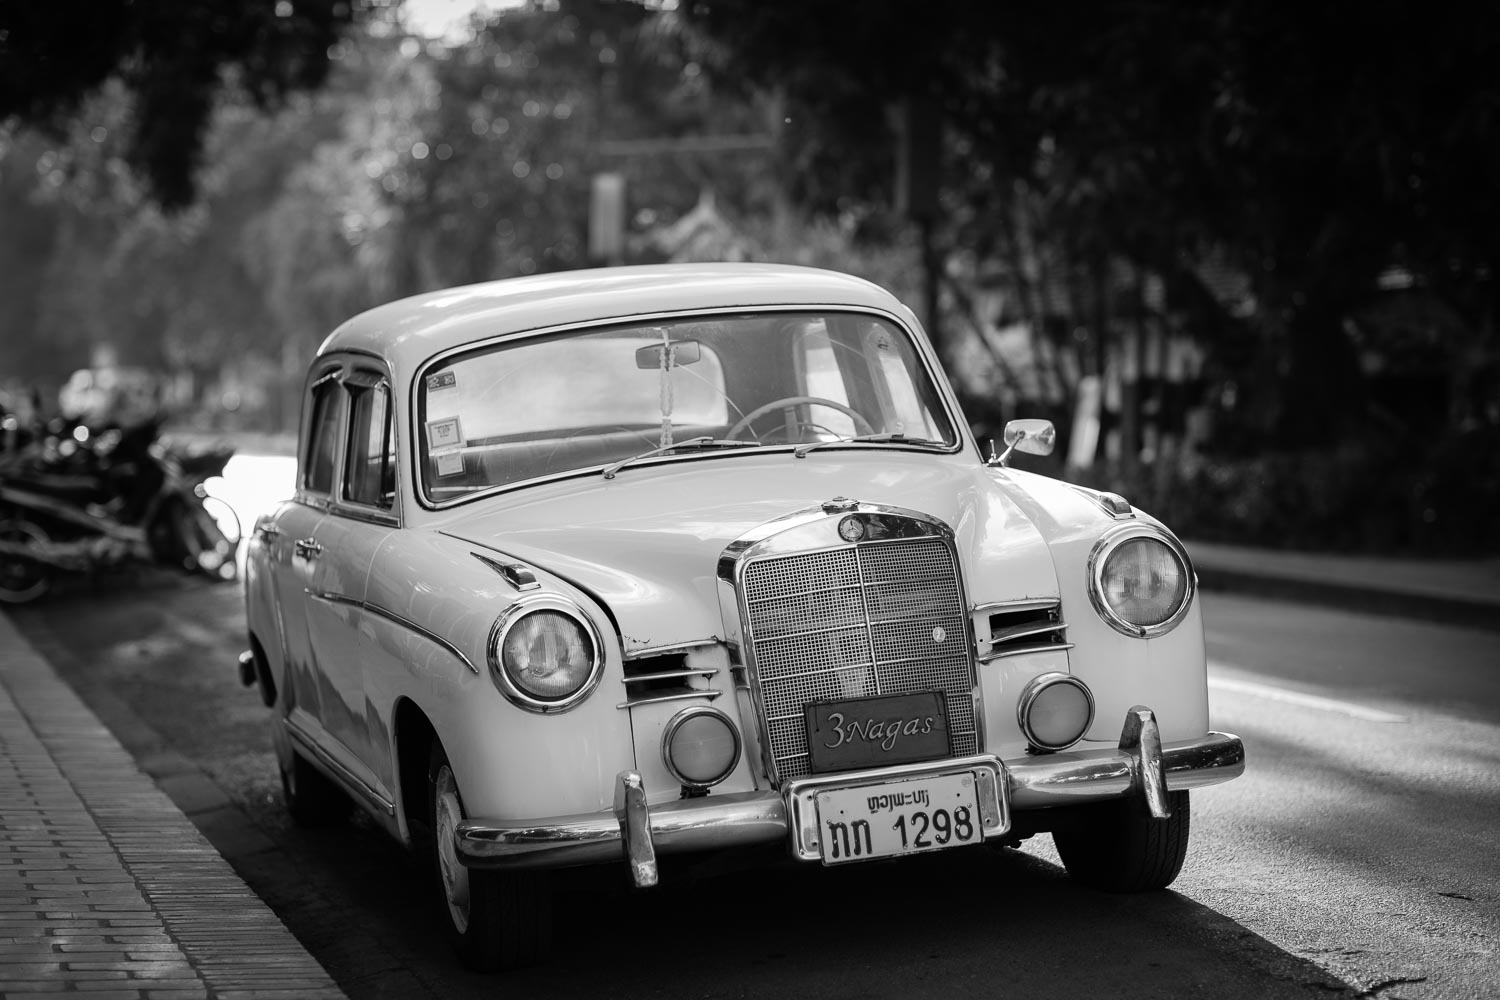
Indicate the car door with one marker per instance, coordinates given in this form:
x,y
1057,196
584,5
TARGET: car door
x,y
360,519
288,535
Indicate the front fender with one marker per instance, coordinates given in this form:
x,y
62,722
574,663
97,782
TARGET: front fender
x,y
1169,673
510,762
262,616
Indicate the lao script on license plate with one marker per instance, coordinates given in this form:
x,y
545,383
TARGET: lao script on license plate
x,y
899,817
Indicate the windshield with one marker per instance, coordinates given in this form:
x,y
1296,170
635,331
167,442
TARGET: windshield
x,y
543,406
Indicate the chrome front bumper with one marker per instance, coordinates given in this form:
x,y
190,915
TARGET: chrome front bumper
x,y
1140,767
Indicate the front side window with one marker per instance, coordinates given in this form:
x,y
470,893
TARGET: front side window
x,y
370,467
543,406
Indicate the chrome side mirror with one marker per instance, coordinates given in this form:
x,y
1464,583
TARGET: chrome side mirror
x,y
1034,437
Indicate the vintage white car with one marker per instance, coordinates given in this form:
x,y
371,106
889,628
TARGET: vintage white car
x,y
594,567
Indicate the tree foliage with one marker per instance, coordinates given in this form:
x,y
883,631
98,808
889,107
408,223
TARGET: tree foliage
x,y
172,57
1309,147
417,165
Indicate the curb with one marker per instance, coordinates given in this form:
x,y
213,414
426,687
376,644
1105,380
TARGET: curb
x,y
106,883
1440,609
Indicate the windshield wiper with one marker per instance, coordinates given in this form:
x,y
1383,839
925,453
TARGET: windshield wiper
x,y
706,441
886,438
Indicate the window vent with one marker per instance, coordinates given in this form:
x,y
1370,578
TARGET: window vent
x,y
1021,627
655,677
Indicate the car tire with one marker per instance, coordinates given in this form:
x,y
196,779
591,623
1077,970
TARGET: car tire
x,y
493,920
312,800
1119,847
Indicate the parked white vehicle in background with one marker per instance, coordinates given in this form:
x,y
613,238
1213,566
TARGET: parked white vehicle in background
x,y
592,567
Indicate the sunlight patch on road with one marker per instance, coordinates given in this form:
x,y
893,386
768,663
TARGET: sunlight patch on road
x,y
254,484
1269,692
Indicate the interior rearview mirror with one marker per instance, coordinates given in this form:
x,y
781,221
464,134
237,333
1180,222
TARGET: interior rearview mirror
x,y
684,352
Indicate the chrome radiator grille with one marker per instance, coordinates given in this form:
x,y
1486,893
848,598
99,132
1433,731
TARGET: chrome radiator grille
x,y
874,619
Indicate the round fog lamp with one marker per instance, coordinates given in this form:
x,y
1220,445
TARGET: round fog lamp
x,y
700,746
1055,711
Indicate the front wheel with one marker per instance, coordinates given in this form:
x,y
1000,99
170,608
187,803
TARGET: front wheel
x,y
494,920
1119,847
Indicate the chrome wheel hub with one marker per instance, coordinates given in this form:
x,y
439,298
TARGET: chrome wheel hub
x,y
454,875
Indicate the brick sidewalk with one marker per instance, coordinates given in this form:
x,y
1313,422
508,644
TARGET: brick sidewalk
x,y
106,889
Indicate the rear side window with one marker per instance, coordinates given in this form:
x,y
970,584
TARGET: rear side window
x,y
322,438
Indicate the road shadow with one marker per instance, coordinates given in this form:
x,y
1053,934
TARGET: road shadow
x,y
972,922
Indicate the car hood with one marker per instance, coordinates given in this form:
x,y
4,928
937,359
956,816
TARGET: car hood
x,y
647,543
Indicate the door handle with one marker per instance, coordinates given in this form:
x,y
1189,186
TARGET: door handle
x,y
307,548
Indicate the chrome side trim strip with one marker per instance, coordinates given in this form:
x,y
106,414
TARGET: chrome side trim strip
x,y
1022,631
333,597
1040,604
667,675
662,699
391,616
347,778
407,623
676,647
369,515
1038,647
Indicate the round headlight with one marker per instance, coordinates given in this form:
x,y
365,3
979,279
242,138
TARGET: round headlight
x,y
545,654
700,746
1141,583
1055,710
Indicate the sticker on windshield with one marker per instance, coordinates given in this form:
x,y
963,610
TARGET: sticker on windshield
x,y
444,434
450,463
442,380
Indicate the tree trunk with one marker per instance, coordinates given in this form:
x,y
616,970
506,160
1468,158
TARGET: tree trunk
x,y
1323,396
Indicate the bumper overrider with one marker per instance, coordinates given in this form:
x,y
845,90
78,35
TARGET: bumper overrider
x,y
1140,767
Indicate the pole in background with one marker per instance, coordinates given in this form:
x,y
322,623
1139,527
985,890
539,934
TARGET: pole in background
x,y
919,154
607,219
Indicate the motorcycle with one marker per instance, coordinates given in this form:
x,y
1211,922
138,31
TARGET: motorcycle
x,y
75,502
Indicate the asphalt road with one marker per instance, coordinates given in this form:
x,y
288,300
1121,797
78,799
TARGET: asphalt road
x,y
1356,857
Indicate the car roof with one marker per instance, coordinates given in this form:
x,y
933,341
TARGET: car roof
x,y
409,331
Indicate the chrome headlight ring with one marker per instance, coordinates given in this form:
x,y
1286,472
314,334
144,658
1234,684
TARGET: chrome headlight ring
x,y
1107,545
518,612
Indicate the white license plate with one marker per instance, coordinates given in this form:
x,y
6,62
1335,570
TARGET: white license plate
x,y
898,817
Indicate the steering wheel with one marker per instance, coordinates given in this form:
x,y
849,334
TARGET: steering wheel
x,y
861,425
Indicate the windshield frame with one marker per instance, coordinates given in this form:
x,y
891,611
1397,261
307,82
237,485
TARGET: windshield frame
x,y
922,349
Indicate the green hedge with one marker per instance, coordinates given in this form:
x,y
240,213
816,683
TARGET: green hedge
x,y
1372,497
